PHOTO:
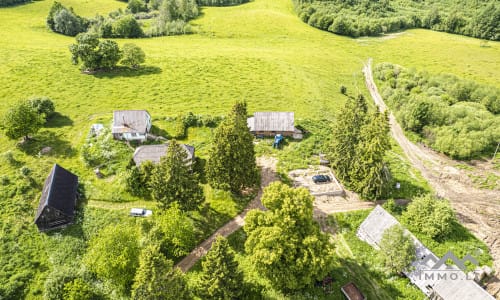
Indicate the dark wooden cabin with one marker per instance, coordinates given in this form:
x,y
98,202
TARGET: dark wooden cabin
x,y
58,201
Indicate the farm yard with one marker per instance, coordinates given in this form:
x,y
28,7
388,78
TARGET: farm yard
x,y
258,52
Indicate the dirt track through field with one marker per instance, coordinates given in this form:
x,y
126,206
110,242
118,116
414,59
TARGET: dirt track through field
x,y
477,209
268,175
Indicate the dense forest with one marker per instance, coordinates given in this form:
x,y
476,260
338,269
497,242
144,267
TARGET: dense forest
x,y
454,116
12,2
478,18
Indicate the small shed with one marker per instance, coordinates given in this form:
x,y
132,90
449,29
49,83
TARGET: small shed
x,y
154,153
272,123
58,201
131,125
351,292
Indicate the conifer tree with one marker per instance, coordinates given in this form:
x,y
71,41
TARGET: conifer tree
x,y
345,132
368,173
231,165
172,180
221,277
156,278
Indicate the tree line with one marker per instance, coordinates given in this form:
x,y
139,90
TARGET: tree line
x,y
455,116
371,18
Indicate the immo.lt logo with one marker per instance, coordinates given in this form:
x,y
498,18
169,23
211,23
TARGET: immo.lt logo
x,y
432,268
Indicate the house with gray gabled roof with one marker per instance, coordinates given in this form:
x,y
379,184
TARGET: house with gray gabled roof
x,y
272,123
154,153
58,201
131,125
436,281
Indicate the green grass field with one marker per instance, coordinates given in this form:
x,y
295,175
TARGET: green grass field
x,y
259,52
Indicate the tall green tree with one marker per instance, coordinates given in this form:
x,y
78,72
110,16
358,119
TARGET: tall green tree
x,y
368,174
284,244
114,255
397,250
346,135
21,120
156,278
221,277
174,231
232,165
94,54
173,182
133,55
429,215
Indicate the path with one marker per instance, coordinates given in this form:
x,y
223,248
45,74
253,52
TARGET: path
x,y
268,175
477,209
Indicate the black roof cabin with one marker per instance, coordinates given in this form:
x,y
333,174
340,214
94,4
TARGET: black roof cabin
x,y
58,201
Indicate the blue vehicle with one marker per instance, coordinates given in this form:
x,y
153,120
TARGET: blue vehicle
x,y
321,178
278,139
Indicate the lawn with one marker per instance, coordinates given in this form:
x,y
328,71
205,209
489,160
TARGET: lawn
x,y
259,52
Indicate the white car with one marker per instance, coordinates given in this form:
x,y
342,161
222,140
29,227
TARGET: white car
x,y
140,212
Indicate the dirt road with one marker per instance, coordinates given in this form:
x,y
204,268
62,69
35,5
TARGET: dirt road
x,y
477,209
268,175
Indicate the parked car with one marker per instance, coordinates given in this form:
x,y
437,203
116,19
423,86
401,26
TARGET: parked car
x,y
140,212
321,178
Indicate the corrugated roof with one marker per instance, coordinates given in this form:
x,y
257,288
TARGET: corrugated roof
x,y
154,153
272,121
130,121
59,191
441,281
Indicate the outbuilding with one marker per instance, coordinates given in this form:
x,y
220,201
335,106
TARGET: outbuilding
x,y
131,125
58,200
273,123
154,153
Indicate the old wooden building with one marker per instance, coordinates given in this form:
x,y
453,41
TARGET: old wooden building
x,y
272,123
58,201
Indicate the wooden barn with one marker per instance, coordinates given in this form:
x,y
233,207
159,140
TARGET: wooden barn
x,y
58,201
272,123
131,125
154,153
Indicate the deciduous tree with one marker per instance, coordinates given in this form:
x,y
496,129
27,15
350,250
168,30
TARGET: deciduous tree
x,y
114,255
221,277
397,250
285,245
133,55
21,120
431,216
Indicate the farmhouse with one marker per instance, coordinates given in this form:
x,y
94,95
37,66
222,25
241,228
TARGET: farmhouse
x,y
438,283
131,125
154,153
58,201
272,123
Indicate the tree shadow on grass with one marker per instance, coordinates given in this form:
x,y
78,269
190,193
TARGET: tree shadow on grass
x,y
127,72
58,120
59,147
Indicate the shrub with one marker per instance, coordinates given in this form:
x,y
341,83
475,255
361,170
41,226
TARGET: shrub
x,y
43,105
133,56
25,171
136,6
127,27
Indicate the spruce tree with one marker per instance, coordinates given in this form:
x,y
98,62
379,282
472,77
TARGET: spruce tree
x,y
345,133
231,165
221,277
156,278
368,173
172,180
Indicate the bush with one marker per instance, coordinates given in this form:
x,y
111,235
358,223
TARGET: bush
x,y
65,21
136,6
127,27
43,105
133,56
25,171
98,150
